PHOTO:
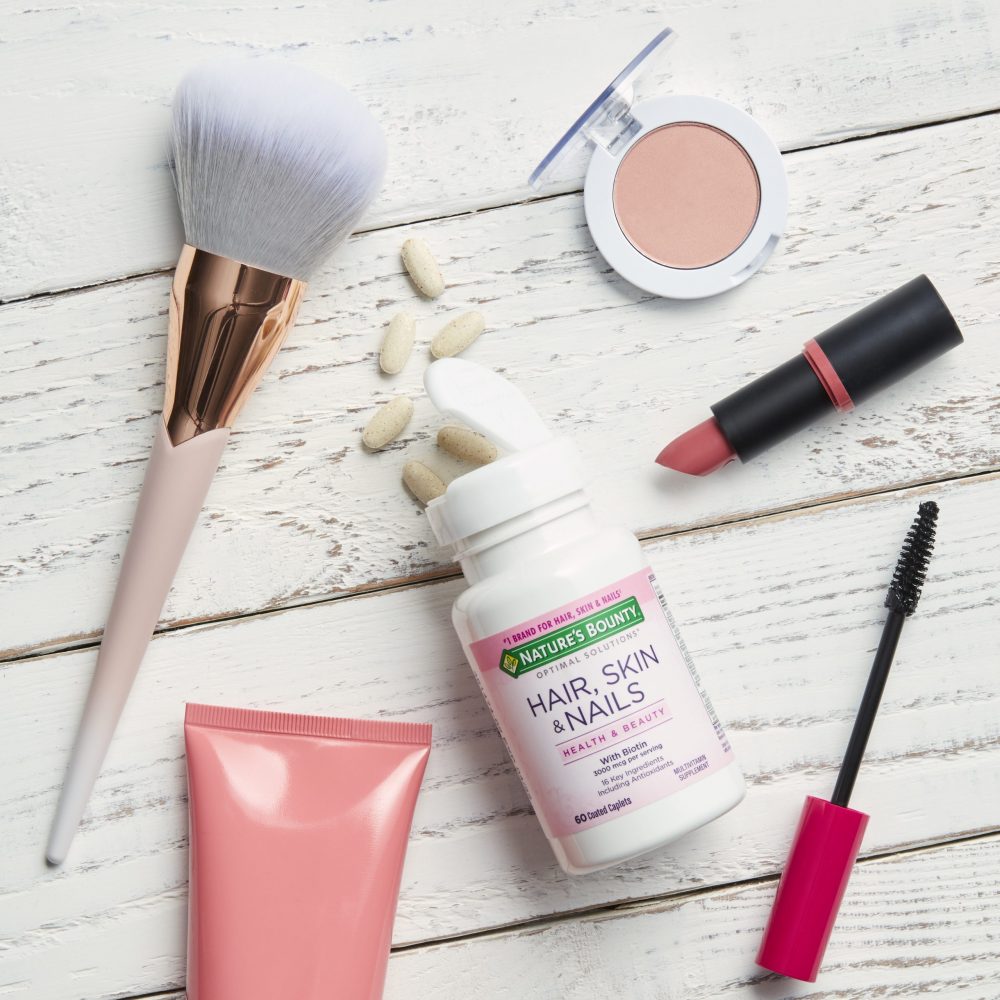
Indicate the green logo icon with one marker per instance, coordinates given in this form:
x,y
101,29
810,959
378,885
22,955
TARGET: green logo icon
x,y
566,640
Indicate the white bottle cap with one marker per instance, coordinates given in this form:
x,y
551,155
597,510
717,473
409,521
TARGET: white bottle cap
x,y
538,468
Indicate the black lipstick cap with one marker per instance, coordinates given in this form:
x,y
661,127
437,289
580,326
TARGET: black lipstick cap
x,y
862,354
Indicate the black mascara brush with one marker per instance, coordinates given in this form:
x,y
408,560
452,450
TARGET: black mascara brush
x,y
901,600
829,836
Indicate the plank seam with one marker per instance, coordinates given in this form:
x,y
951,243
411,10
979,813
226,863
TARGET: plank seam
x,y
634,906
651,902
571,192
444,575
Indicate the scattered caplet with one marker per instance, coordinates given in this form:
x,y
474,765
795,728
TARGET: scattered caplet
x,y
466,445
388,423
422,482
598,578
422,268
457,335
398,343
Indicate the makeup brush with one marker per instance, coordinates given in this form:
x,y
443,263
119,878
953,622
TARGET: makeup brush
x,y
829,835
274,167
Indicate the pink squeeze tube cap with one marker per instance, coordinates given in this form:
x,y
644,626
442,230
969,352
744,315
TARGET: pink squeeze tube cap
x,y
812,885
299,825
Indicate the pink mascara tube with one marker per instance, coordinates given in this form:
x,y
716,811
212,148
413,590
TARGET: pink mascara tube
x,y
299,826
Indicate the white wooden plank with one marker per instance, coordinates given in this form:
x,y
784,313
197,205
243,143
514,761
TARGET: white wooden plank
x,y
915,925
782,616
298,512
912,924
470,96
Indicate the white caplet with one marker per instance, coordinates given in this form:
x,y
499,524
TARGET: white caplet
x,y
537,469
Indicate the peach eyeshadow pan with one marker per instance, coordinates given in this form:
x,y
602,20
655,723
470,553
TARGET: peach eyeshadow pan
x,y
686,195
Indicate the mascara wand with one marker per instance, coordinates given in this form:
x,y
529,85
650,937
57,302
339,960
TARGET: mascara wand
x,y
829,835
901,600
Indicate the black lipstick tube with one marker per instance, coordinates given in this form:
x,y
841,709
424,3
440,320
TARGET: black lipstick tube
x,y
863,354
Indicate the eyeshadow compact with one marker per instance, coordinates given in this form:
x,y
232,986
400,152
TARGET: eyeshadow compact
x,y
685,196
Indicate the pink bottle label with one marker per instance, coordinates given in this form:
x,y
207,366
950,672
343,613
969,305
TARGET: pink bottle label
x,y
600,705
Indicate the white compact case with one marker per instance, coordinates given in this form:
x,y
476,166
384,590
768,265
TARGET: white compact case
x,y
685,196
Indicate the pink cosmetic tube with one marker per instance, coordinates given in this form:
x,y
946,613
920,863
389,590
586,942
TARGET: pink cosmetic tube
x,y
299,825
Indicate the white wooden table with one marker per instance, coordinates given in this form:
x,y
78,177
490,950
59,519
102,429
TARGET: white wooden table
x,y
313,583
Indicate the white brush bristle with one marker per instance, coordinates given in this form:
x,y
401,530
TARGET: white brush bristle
x,y
274,164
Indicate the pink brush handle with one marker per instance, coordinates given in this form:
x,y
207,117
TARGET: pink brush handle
x,y
173,492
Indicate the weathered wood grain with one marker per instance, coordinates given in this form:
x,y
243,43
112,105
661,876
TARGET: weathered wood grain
x,y
471,96
915,924
298,512
921,924
782,615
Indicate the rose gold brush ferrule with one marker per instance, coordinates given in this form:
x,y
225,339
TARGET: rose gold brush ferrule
x,y
227,321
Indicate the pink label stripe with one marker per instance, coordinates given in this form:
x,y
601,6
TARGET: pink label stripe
x,y
611,746
487,651
607,725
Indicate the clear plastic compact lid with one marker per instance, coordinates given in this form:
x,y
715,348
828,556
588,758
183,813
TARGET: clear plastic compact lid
x,y
608,121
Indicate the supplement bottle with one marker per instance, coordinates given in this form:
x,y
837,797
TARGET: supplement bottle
x,y
568,633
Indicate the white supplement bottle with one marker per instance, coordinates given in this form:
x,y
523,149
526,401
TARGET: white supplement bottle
x,y
567,631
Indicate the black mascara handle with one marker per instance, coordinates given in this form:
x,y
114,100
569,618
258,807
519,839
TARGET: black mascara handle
x,y
869,707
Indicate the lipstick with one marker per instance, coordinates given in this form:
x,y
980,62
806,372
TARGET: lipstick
x,y
853,360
